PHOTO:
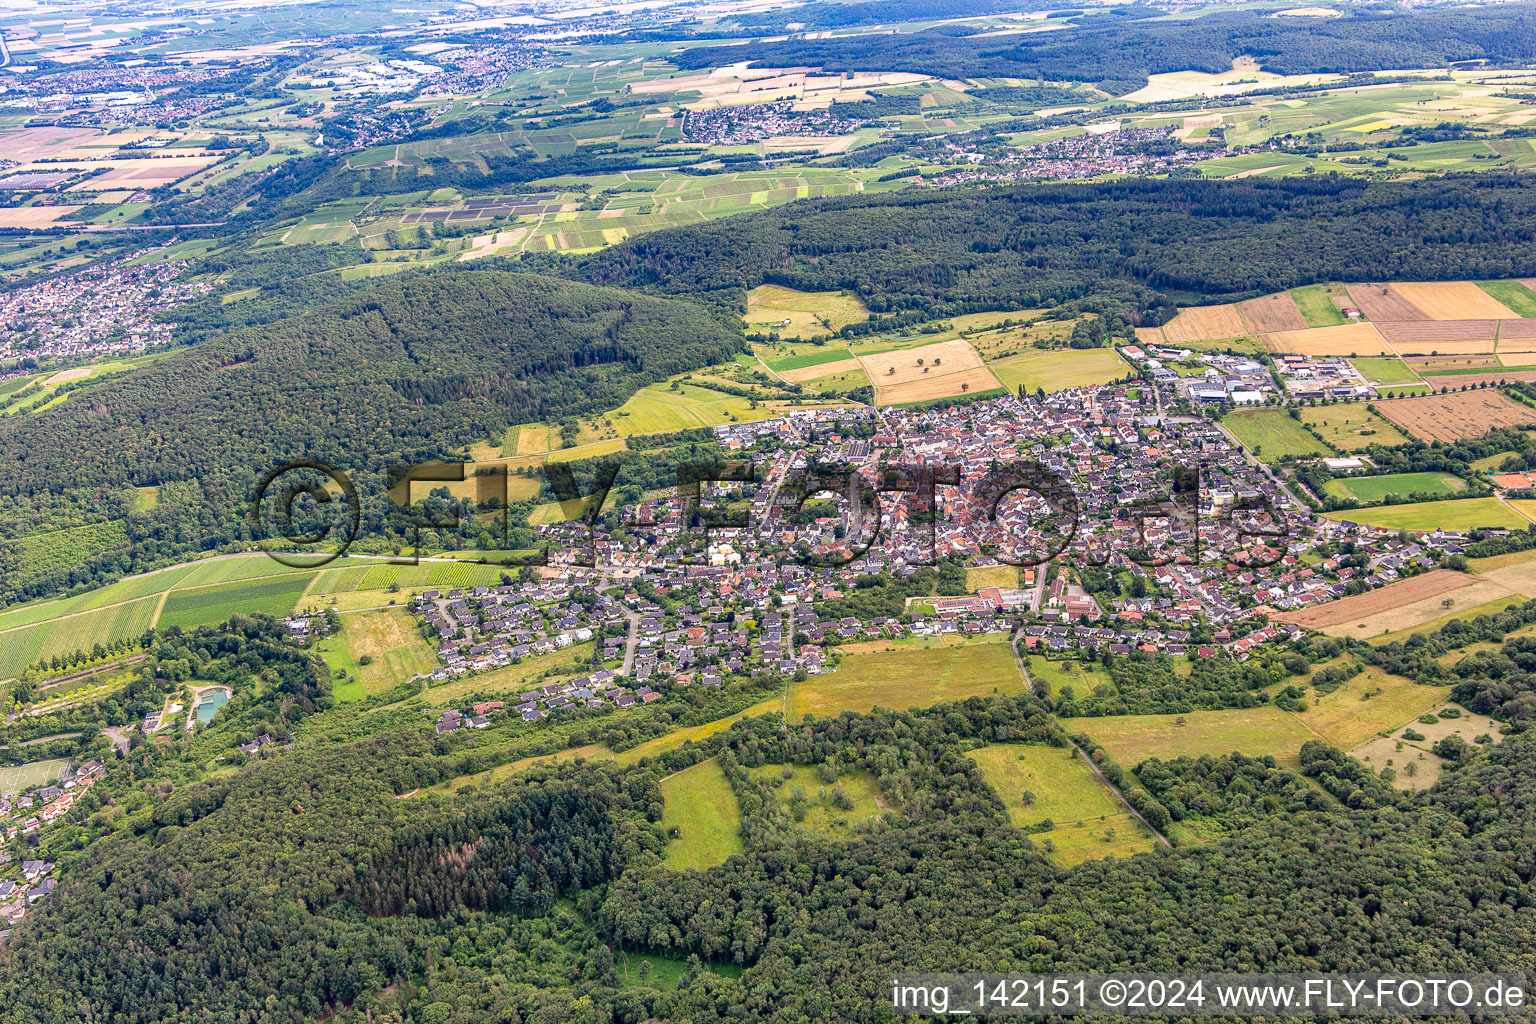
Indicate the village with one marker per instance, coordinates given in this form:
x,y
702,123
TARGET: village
x,y
1145,561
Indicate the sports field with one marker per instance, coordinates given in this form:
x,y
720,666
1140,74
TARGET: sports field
x,y
701,806
1058,369
908,677
1272,434
1350,427
1038,783
804,787
1377,488
22,777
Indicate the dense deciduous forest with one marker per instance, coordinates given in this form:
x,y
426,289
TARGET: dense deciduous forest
x,y
303,887
403,374
1130,243
1117,49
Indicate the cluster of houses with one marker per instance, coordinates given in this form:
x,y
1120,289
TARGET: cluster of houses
x,y
97,311
27,813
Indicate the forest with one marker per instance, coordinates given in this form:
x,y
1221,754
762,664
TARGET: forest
x,y
1117,49
1134,246
398,375
301,885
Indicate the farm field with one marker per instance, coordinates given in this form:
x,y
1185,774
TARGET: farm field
x,y
1204,323
1386,370
821,814
1457,415
1272,433
205,606
1056,370
1350,426
701,806
908,677
1377,488
1131,739
22,777
1513,295
1270,313
939,370
1345,340
1464,611
1061,788
810,314
1406,606
1317,307
1454,300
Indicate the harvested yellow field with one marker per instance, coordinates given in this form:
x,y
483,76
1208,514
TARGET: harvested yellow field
x,y
820,370
1150,335
33,216
1446,347
932,371
1455,300
1205,323
1417,613
1344,340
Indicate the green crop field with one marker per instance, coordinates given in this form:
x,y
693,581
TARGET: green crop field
x,y
908,677
1386,370
805,788
24,645
1272,433
1466,514
1377,488
1317,306
1131,739
662,409
205,606
22,777
1513,294
701,806
1040,783
1059,369
815,357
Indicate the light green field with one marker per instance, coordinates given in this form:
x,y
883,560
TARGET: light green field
x,y
1491,463
1317,305
390,638
1351,427
810,314
814,357
1466,514
1059,369
821,814
1372,702
702,807
661,409
1131,739
1377,488
1038,783
22,777
1271,434
496,683
1385,370
908,677
1513,294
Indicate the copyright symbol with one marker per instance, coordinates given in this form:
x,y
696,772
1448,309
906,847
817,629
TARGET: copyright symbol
x,y
303,477
1112,992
